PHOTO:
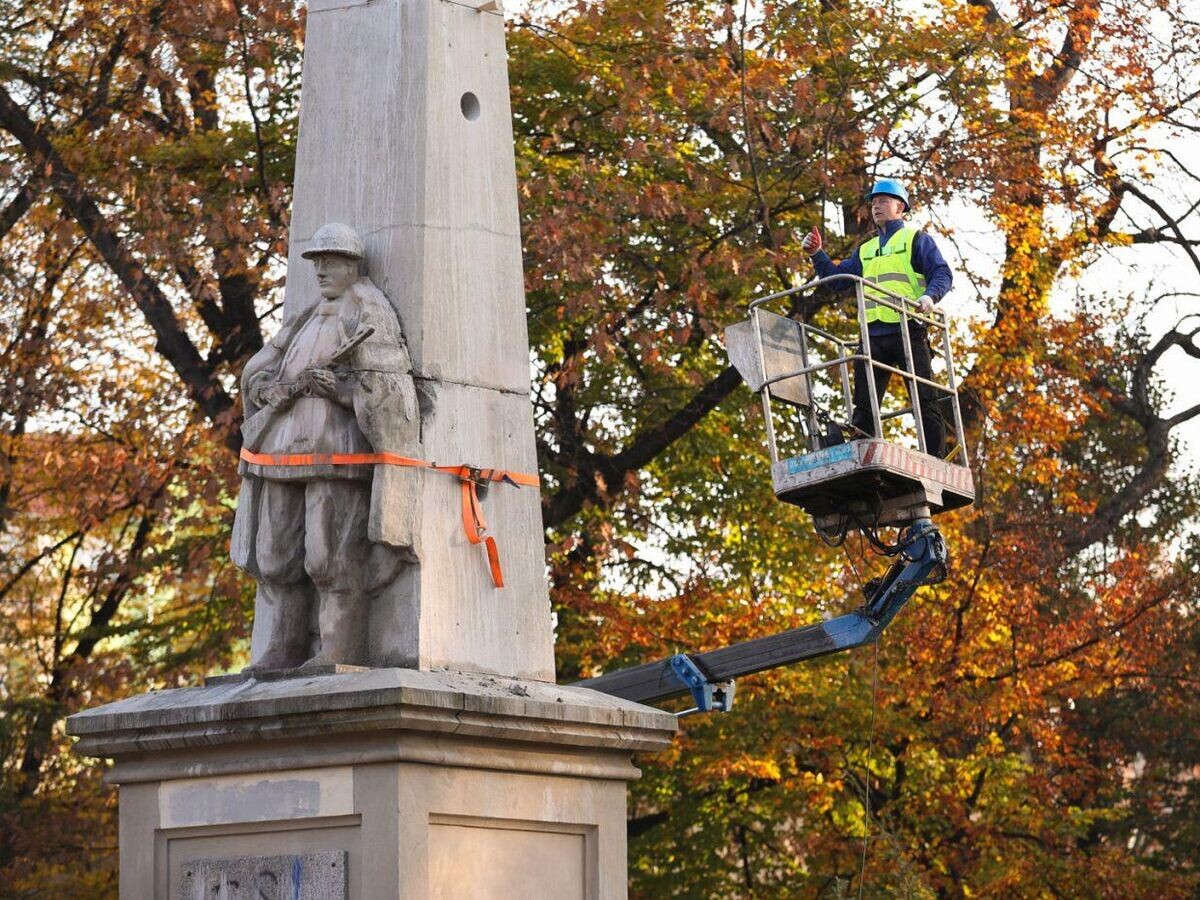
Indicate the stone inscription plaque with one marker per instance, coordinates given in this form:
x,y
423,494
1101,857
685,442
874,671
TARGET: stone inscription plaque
x,y
302,876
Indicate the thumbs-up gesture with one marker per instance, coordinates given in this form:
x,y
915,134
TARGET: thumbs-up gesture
x,y
812,242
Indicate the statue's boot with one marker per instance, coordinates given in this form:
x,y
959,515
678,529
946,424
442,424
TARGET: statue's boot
x,y
282,633
343,620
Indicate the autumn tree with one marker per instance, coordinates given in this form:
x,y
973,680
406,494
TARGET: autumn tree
x,y
147,153
667,155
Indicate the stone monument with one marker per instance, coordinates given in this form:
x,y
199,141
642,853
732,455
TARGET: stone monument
x,y
398,732
319,526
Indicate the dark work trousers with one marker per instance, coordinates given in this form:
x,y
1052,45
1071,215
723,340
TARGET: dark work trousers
x,y
889,348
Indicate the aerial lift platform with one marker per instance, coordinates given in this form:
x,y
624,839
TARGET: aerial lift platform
x,y
872,480
844,479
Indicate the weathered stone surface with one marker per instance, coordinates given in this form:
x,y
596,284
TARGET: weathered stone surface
x,y
292,794
427,784
506,862
282,674
302,876
376,700
384,146
466,623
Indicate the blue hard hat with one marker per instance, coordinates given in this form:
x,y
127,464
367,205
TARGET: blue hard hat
x,y
891,188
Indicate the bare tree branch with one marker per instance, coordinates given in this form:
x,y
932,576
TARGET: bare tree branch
x,y
18,206
1080,23
1154,235
600,473
1107,172
172,340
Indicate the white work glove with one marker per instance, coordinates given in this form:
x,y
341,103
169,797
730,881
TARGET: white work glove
x,y
812,242
925,303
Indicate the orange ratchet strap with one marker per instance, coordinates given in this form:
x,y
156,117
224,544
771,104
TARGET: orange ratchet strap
x,y
474,525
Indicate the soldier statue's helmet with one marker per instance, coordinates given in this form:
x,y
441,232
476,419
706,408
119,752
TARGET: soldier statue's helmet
x,y
338,239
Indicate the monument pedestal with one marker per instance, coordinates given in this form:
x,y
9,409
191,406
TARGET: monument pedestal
x,y
386,783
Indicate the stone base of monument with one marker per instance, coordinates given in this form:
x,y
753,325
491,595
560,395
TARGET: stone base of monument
x,y
385,783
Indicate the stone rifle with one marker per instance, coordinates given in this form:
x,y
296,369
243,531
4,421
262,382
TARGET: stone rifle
x,y
253,427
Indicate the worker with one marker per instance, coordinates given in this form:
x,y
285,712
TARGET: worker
x,y
906,261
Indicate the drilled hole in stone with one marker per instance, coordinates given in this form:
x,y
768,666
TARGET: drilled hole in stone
x,y
469,104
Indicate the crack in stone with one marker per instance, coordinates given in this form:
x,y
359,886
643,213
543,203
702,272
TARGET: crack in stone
x,y
430,379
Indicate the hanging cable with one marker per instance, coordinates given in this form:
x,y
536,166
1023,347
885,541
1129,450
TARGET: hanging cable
x,y
862,872
854,568
764,210
837,537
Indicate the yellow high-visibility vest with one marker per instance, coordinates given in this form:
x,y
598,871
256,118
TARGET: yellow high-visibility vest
x,y
891,268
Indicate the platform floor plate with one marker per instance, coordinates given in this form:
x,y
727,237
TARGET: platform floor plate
x,y
871,477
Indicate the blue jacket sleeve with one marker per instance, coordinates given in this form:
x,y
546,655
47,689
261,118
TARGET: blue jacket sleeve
x,y
825,267
927,259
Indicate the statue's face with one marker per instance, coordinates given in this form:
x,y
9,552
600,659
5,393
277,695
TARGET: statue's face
x,y
335,274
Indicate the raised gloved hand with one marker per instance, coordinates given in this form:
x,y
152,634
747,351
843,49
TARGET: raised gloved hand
x,y
812,242
925,303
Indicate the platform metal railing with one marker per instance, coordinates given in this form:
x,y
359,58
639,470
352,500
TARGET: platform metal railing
x,y
847,353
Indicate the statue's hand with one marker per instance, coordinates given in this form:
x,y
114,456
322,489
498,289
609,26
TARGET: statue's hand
x,y
276,395
319,383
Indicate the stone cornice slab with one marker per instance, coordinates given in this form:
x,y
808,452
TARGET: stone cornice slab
x,y
466,705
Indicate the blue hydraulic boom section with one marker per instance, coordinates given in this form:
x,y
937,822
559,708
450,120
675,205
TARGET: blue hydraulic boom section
x,y
920,559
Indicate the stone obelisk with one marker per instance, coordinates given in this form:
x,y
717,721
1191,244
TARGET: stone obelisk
x,y
453,766
406,135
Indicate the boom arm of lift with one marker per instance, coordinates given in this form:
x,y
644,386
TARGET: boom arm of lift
x,y
709,676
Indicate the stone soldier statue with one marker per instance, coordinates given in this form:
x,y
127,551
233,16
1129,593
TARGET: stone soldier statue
x,y
319,525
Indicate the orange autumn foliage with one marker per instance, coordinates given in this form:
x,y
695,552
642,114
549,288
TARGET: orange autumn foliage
x,y
1034,733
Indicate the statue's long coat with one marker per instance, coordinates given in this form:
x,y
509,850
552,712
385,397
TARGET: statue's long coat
x,y
385,407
